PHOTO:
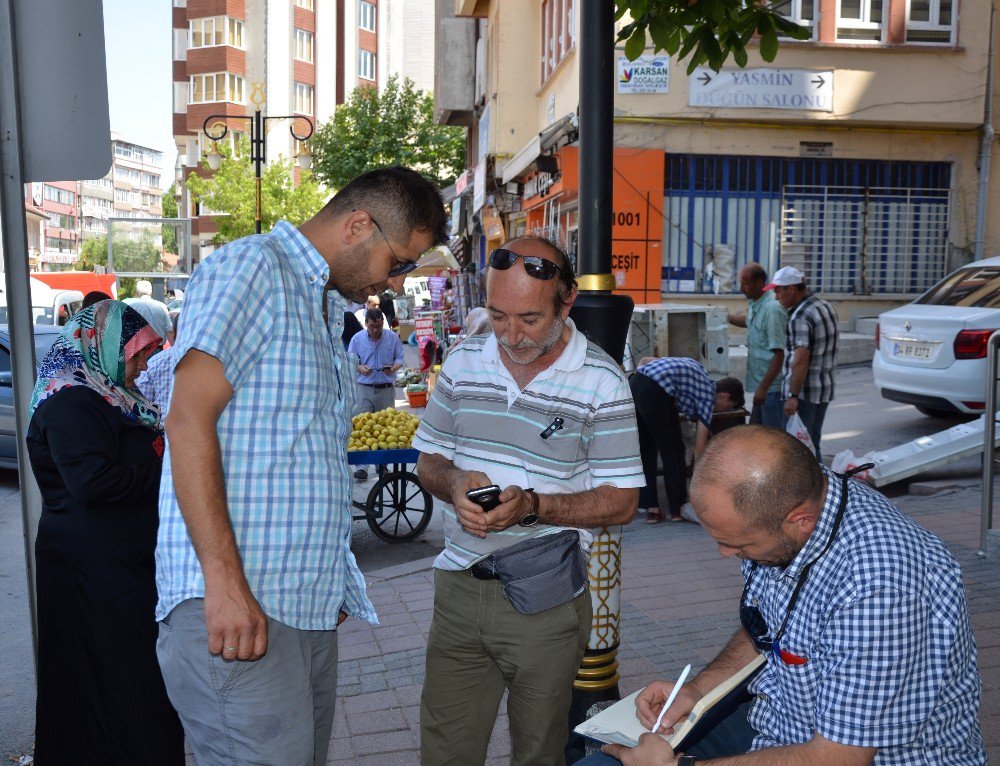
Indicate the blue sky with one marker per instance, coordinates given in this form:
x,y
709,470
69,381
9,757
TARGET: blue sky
x,y
137,40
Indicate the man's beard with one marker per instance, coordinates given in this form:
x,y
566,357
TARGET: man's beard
x,y
354,268
528,351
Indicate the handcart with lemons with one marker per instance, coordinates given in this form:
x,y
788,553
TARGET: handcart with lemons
x,y
397,508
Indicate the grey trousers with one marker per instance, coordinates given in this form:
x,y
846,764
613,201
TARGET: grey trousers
x,y
374,399
480,645
277,711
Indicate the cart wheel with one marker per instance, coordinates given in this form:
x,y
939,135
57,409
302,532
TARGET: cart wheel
x,y
398,507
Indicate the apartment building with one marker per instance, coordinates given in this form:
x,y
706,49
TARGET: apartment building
x,y
131,189
58,243
855,155
407,42
285,57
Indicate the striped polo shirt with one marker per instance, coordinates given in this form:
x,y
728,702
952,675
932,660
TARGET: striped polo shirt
x,y
479,419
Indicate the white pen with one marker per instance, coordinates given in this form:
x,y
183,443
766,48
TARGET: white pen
x,y
672,697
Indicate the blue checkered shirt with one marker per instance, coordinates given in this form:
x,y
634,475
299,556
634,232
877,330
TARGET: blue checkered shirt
x,y
157,379
686,381
884,623
812,324
257,306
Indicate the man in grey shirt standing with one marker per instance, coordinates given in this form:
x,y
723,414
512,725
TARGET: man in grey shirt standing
x,y
766,322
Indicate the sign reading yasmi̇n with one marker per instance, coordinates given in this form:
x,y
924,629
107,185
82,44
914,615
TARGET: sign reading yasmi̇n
x,y
800,89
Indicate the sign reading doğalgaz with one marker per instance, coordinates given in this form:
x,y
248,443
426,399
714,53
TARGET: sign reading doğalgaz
x,y
644,75
800,89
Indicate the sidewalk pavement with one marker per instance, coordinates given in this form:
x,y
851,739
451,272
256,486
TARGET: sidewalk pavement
x,y
679,602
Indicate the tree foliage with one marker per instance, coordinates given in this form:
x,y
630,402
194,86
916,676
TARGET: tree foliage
x,y
169,204
140,255
394,126
231,191
709,31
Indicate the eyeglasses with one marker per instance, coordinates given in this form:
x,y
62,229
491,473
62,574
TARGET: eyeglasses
x,y
539,268
401,267
750,616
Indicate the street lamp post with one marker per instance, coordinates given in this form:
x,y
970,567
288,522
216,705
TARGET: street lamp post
x,y
258,144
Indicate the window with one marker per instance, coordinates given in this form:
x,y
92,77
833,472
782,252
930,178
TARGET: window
x,y
972,287
307,4
366,15
218,86
122,195
557,34
216,30
180,44
123,150
304,45
859,21
61,221
150,179
55,194
930,21
366,65
98,183
802,12
303,98
180,97
59,243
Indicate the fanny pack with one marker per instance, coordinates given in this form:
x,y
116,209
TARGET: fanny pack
x,y
543,572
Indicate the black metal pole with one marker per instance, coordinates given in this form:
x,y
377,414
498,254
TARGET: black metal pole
x,y
257,152
604,318
601,316
596,137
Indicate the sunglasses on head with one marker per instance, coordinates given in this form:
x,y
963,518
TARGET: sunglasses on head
x,y
539,268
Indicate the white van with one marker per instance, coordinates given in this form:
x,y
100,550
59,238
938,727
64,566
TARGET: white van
x,y
48,306
417,287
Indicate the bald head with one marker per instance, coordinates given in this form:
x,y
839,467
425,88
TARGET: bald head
x,y
766,473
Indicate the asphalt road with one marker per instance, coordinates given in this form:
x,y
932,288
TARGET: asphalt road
x,y
859,419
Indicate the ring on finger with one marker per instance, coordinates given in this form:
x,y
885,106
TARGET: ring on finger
x,y
230,648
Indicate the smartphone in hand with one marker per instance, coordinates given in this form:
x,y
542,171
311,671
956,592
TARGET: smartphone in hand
x,y
486,498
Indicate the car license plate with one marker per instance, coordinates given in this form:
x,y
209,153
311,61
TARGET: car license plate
x,y
913,350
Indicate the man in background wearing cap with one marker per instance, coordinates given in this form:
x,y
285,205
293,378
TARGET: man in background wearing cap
x,y
810,351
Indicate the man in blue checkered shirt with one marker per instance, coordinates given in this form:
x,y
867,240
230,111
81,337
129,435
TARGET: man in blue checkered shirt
x,y
664,390
860,614
810,351
253,559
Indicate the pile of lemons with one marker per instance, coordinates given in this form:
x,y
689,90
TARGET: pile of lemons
x,y
386,429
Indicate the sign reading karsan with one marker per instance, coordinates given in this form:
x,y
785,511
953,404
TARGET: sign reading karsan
x,y
644,75
800,89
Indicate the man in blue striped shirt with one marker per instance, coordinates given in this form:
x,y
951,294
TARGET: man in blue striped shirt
x,y
254,567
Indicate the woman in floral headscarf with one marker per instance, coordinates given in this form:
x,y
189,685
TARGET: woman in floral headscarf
x,y
96,448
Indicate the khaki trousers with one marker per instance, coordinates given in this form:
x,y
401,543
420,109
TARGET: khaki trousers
x,y
480,645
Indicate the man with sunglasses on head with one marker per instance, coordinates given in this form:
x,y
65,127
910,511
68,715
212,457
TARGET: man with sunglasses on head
x,y
860,613
537,410
254,567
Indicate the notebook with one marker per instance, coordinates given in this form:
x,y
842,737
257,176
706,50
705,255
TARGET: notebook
x,y
618,724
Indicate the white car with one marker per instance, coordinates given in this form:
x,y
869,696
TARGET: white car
x,y
932,353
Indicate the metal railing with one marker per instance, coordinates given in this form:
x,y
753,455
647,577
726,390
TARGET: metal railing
x,y
989,439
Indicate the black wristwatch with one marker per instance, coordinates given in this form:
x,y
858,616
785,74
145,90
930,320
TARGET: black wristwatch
x,y
686,760
531,517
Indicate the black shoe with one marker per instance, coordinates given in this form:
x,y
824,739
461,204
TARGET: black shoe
x,y
361,474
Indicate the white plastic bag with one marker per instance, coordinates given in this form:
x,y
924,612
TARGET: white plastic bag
x,y
798,429
846,460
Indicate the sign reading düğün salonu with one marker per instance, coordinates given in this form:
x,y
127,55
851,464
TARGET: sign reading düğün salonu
x,y
762,89
644,75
